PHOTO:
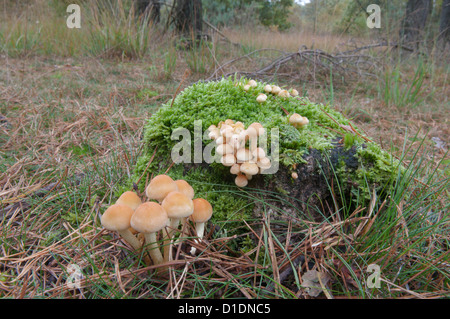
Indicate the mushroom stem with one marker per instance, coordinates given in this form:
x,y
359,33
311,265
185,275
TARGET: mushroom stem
x,y
168,242
199,229
153,248
130,238
133,241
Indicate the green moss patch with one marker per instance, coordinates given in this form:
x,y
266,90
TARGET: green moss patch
x,y
212,102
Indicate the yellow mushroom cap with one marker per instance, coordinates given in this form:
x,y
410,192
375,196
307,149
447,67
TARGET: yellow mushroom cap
x,y
117,217
296,120
264,163
261,98
235,169
275,89
160,186
268,88
223,149
283,93
129,198
257,127
241,180
202,211
243,155
177,205
294,92
149,217
185,188
228,159
252,83
249,168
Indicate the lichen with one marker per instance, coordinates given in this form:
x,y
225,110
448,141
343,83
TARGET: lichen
x,y
212,102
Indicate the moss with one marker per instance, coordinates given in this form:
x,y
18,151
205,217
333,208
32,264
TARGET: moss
x,y
212,102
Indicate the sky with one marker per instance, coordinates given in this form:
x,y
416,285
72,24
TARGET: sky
x,y
302,2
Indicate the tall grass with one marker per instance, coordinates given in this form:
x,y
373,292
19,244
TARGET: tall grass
x,y
403,89
107,29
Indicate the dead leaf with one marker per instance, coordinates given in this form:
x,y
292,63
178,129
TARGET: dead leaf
x,y
313,286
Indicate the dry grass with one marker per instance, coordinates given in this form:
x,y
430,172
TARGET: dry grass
x,y
71,124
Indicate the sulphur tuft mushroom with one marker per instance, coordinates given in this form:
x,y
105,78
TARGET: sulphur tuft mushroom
x,y
294,92
283,93
177,206
160,186
249,169
202,213
268,88
148,219
275,89
241,180
252,83
185,188
238,146
117,217
261,98
129,198
297,120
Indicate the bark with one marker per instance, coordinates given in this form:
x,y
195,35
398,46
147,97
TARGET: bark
x,y
152,7
444,23
188,17
414,23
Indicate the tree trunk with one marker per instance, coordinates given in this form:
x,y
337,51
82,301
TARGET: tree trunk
x,y
188,18
152,7
416,15
444,23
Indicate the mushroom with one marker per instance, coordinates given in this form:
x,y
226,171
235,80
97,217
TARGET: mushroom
x,y
235,169
268,88
263,164
275,89
297,120
249,169
243,155
223,149
228,159
160,186
148,219
261,98
185,188
283,93
129,198
252,83
258,153
117,217
241,180
247,87
178,206
202,213
294,92
214,134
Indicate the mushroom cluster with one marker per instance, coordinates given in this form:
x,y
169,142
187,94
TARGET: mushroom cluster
x,y
298,121
276,90
169,203
239,150
272,89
